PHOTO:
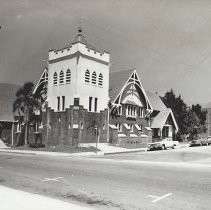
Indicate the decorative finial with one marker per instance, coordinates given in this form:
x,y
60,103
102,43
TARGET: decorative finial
x,y
80,31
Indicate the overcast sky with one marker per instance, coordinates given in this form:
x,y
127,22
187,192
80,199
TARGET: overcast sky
x,y
167,41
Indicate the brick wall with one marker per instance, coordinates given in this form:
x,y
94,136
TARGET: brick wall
x,y
130,142
73,126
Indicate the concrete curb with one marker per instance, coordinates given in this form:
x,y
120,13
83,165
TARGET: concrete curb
x,y
129,151
183,146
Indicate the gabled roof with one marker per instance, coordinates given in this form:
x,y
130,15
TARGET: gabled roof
x,y
117,81
42,80
160,120
155,100
7,97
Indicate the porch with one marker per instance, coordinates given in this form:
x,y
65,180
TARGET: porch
x,y
166,132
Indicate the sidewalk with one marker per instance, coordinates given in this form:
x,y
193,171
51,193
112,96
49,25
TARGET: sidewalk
x,y
11,199
108,149
105,149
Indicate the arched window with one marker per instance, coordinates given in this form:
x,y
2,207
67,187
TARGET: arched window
x,y
55,78
100,80
94,78
61,77
68,76
87,76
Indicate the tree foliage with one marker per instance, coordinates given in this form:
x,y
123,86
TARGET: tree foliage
x,y
202,115
25,104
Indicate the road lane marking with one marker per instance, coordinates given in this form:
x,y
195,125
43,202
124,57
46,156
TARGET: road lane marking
x,y
52,179
157,198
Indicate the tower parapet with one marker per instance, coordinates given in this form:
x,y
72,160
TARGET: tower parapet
x,y
81,46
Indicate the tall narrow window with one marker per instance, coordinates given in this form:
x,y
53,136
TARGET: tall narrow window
x,y
61,77
131,111
94,78
58,103
63,103
128,111
90,104
68,76
87,76
55,78
100,80
96,104
120,110
141,112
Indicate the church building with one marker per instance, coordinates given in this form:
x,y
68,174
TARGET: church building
x,y
85,103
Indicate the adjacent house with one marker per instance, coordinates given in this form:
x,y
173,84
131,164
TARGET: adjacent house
x,y
163,123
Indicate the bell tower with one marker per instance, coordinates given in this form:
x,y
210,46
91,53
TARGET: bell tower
x,y
78,73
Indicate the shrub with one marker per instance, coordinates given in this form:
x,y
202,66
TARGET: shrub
x,y
38,145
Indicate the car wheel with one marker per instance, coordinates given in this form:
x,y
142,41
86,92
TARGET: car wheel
x,y
163,147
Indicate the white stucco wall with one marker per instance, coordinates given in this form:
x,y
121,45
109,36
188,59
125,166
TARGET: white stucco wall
x,y
89,90
67,90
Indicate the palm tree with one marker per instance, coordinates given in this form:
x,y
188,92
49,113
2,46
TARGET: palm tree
x,y
26,103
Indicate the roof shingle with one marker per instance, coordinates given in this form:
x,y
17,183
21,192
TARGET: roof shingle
x,y
117,81
155,101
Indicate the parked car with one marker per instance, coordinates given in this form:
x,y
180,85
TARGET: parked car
x,y
163,144
200,142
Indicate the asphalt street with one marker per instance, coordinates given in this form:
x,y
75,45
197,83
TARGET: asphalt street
x,y
172,179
